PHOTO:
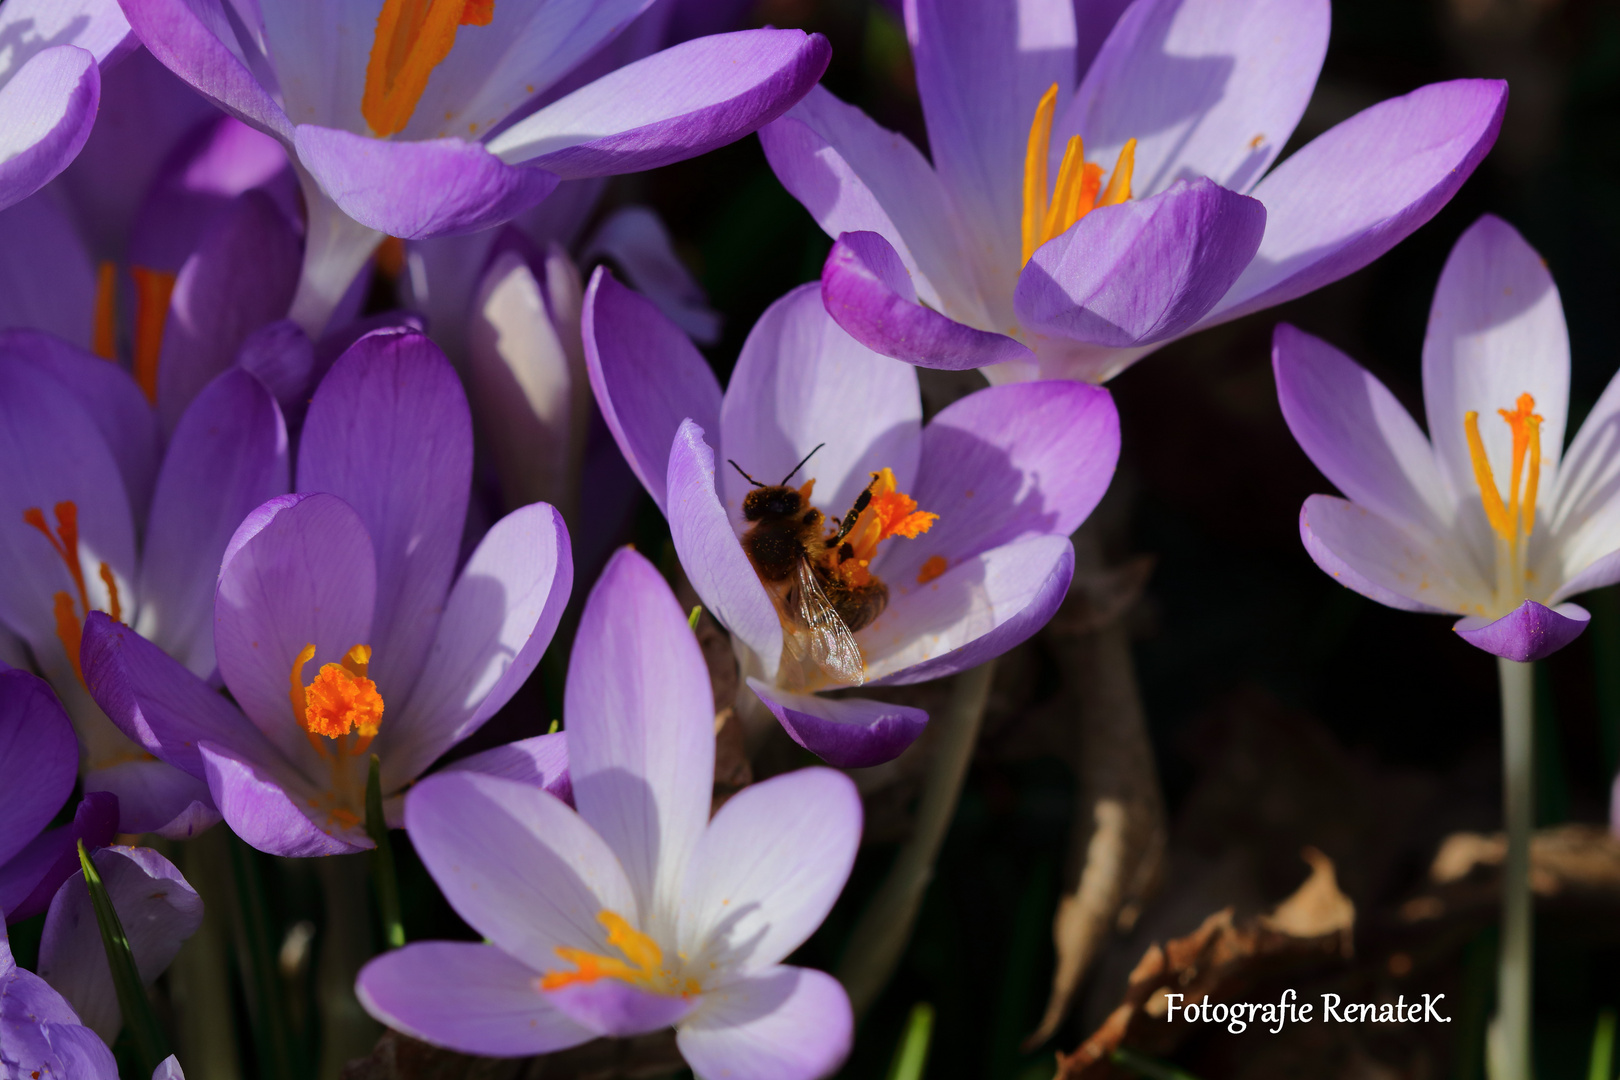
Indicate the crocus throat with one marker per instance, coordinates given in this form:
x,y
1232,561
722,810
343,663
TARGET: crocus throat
x,y
413,37
65,542
890,513
1512,519
1051,212
642,964
340,710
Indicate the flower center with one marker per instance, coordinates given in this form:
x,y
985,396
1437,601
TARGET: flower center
x,y
882,511
340,711
153,288
642,963
1050,212
65,542
1512,518
413,38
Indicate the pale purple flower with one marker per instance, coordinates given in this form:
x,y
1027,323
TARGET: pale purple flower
x,y
408,119
637,912
349,587
935,264
1487,516
1010,471
39,1033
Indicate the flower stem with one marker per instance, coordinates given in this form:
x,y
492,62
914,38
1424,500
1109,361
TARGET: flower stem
x,y
200,979
347,1031
884,929
271,1032
383,876
1509,1049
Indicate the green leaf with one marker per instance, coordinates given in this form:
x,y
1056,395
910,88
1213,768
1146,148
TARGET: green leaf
x,y
1602,1065
150,1044
692,619
383,876
911,1056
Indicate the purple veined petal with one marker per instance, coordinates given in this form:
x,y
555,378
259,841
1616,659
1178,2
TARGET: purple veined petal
x,y
418,190
1604,570
788,1023
865,288
801,382
158,909
634,239
1356,191
854,176
39,759
981,71
273,808
47,279
228,455
640,717
1144,271
768,869
518,865
1093,19
1400,567
299,571
1496,331
498,620
974,611
39,1032
195,40
1206,89
1356,432
389,432
647,376
282,357
155,797
710,553
241,276
96,26
114,402
466,997
47,109
617,1009
1583,510
541,761
673,105
1529,632
32,876
849,732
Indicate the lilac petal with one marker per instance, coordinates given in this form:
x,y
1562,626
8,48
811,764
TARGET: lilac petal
x,y
154,797
1496,330
39,759
220,297
195,40
617,1009
788,1023
1144,271
519,866
769,868
849,732
228,455
1204,88
46,112
169,1069
96,26
710,553
1604,570
1400,567
416,190
158,910
1529,632
1353,193
640,717
299,571
634,239
39,1034
467,997
389,432
671,106
541,761
801,382
281,355
647,377
32,876
47,277
1584,510
865,287
498,620
1356,432
264,803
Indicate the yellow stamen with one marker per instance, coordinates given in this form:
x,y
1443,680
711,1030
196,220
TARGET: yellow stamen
x,y
1514,517
1040,141
1076,193
104,330
413,37
642,966
1119,185
153,289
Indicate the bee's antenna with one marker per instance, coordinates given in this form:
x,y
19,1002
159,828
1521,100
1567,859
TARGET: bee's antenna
x,y
745,476
800,465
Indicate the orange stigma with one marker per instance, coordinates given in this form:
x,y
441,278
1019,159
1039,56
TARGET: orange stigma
x,y
340,699
104,328
65,542
642,965
153,288
413,37
1512,518
1079,188
890,513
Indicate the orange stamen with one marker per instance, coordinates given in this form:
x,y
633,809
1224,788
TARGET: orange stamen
x,y
643,963
153,289
891,512
391,257
69,630
114,608
1040,142
104,330
413,37
1514,517
65,541
1076,192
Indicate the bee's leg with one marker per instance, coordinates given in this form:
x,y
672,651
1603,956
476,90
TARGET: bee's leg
x,y
862,501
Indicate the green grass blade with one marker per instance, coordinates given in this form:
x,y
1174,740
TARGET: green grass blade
x,y
1602,1066
383,876
151,1046
911,1056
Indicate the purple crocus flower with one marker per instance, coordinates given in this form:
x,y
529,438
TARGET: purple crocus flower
x,y
408,119
1009,472
637,912
1066,233
341,627
1486,517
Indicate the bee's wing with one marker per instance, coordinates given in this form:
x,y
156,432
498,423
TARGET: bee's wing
x,y
830,643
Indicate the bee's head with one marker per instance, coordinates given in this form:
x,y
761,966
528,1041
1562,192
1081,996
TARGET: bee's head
x,y
771,503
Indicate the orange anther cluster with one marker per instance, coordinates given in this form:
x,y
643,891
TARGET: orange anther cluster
x,y
1079,188
643,963
341,699
65,542
890,513
413,37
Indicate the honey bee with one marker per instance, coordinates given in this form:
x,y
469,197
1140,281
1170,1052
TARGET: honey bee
x,y
787,544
